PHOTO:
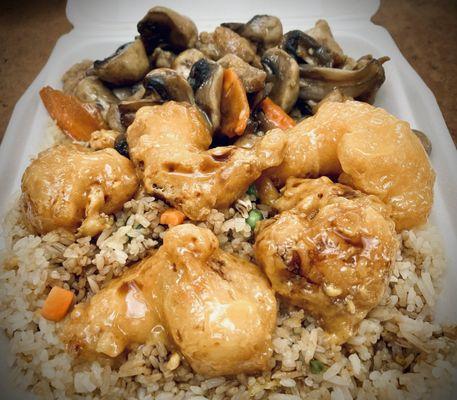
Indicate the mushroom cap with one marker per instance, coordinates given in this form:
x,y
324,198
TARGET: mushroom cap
x,y
127,109
322,33
127,65
263,30
92,90
133,92
162,25
184,61
168,85
284,74
73,76
306,49
206,79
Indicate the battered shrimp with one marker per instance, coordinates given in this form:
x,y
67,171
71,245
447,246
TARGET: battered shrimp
x,y
169,144
71,187
369,150
216,309
330,251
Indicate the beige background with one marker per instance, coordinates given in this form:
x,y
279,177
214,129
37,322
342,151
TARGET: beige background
x,y
425,31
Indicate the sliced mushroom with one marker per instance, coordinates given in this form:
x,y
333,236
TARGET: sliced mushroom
x,y
134,92
322,33
184,61
253,78
92,90
301,110
283,74
256,98
128,109
426,142
360,84
224,41
161,58
263,124
307,50
121,145
206,78
127,65
163,26
113,118
263,30
74,75
168,85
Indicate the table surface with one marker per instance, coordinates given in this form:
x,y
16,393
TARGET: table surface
x,y
424,30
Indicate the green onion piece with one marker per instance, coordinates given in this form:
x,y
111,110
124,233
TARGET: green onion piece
x,y
316,366
254,217
252,191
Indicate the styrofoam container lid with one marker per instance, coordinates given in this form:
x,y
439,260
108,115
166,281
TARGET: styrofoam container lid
x,y
101,26
95,16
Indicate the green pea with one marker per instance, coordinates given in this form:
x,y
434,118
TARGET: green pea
x,y
316,366
254,217
252,191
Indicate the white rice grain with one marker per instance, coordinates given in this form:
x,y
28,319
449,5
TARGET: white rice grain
x,y
332,371
355,363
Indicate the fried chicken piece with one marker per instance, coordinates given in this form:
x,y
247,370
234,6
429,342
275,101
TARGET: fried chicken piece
x,y
330,251
169,144
71,187
216,309
370,150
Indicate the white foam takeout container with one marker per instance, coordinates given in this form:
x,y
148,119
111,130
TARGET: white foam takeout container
x,y
101,26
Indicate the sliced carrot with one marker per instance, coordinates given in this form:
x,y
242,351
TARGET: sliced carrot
x,y
57,304
234,105
172,217
76,119
276,115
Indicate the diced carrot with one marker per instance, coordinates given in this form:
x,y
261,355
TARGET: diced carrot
x,y
276,115
234,105
57,304
76,119
172,217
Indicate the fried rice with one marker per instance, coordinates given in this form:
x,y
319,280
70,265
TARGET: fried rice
x,y
399,352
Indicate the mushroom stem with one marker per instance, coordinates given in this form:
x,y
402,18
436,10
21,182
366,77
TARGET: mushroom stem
x,y
361,84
